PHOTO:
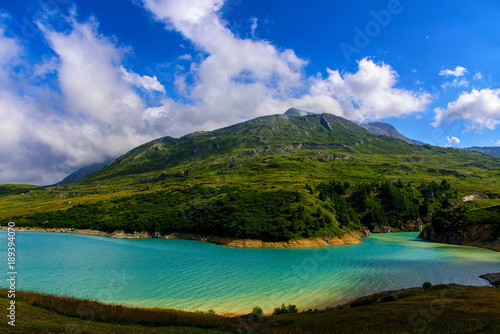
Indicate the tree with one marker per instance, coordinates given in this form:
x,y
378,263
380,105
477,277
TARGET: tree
x,y
257,310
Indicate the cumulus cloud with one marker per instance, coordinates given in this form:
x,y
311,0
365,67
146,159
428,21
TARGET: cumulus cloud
x,y
90,77
478,76
479,108
369,93
96,115
240,78
457,72
145,82
452,140
458,80
254,78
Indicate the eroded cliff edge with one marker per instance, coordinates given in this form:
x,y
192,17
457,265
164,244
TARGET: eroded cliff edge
x,y
485,236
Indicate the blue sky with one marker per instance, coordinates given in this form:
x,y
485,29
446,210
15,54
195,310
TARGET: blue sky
x,y
82,81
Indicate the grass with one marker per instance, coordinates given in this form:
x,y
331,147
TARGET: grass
x,y
439,309
48,313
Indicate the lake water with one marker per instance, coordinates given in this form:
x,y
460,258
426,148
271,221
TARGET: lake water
x,y
192,275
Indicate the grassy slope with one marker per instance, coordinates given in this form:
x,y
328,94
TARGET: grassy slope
x,y
441,309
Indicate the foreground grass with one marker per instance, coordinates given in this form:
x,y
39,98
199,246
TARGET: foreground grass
x,y
440,309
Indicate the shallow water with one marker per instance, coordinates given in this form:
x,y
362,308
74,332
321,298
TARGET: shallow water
x,y
193,275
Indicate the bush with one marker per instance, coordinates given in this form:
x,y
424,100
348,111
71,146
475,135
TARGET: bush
x,y
257,310
427,285
285,309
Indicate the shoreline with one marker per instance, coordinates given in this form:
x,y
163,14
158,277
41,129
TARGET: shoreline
x,y
347,239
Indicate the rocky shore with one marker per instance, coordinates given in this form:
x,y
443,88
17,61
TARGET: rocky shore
x,y
477,236
494,279
347,239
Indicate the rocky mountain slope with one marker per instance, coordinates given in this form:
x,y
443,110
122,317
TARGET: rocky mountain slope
x,y
494,150
385,129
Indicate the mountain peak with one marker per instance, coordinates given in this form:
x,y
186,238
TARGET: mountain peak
x,y
297,112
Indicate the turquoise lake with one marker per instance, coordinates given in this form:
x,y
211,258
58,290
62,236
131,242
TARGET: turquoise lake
x,y
192,275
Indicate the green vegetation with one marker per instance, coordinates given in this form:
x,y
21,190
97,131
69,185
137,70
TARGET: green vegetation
x,y
467,214
258,310
438,309
273,178
285,309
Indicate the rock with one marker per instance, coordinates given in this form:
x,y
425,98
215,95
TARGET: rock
x,y
477,236
325,123
493,278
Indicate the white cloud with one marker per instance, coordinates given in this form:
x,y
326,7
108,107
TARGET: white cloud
x,y
457,72
90,76
369,93
253,27
240,78
46,134
480,108
478,76
48,66
452,140
254,78
458,81
146,82
185,57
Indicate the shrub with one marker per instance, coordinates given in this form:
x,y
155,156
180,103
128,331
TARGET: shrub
x,y
257,310
427,285
285,309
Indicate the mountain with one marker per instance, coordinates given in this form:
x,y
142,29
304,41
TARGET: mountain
x,y
385,129
494,150
83,172
323,134
274,178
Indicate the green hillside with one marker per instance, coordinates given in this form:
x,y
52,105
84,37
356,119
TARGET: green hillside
x,y
274,178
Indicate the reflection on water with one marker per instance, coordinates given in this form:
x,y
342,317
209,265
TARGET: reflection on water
x,y
193,275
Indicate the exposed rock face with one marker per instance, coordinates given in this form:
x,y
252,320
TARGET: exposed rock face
x,y
325,123
494,279
385,129
478,236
